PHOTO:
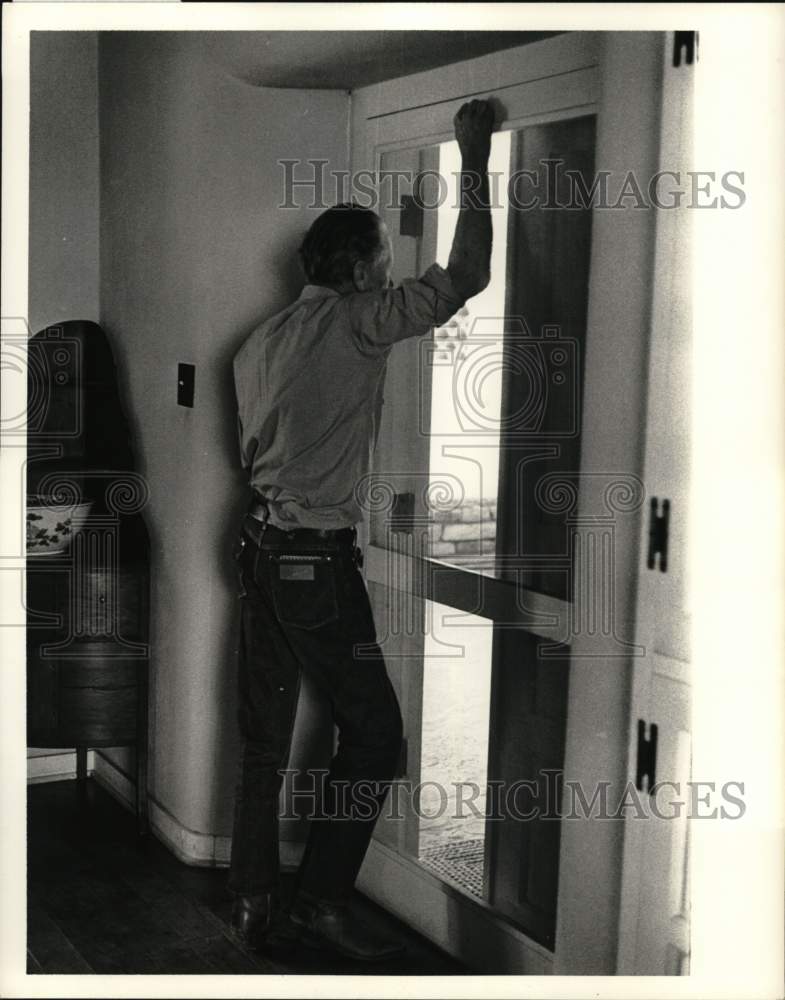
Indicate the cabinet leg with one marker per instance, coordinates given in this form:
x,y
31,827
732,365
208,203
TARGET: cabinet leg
x,y
81,764
142,823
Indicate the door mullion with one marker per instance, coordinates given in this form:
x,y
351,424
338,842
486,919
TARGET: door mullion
x,y
500,601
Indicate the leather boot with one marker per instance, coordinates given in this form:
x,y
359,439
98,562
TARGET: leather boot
x,y
252,917
332,927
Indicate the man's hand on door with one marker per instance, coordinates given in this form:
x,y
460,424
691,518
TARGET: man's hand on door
x,y
473,126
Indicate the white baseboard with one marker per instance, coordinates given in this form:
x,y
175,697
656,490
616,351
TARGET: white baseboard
x,y
199,849
203,850
57,766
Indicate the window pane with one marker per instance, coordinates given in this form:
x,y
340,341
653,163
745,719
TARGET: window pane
x,y
466,388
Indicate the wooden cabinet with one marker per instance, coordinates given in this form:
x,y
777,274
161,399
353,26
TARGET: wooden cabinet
x,y
88,606
87,644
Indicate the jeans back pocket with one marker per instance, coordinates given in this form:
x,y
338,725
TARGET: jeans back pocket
x,y
303,588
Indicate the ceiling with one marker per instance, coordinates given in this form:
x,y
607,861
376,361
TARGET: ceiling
x,y
345,60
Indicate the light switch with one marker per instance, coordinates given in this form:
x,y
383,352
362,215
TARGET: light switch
x,y
186,375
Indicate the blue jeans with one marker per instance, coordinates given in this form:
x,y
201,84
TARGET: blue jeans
x,y
304,607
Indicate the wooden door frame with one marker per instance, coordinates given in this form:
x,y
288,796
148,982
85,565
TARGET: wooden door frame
x,y
614,410
659,606
617,76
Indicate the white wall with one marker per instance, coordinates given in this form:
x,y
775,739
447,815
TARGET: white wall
x,y
194,251
64,186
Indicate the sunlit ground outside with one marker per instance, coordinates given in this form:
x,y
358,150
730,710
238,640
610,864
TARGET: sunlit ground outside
x,y
455,714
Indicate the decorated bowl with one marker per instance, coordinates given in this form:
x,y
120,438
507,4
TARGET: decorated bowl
x,y
51,526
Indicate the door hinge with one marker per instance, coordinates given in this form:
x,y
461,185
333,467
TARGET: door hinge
x,y
647,756
687,42
658,534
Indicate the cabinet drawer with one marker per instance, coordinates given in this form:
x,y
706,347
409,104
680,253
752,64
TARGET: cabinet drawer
x,y
107,603
100,673
98,715
88,602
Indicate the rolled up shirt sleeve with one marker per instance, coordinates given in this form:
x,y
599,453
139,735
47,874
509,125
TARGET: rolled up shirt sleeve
x,y
380,319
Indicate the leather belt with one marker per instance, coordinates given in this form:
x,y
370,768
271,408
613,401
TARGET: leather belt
x,y
259,512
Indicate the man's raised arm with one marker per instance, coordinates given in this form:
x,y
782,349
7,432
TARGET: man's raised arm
x,y
469,265
381,318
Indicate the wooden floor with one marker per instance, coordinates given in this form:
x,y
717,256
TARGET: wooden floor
x,y
100,900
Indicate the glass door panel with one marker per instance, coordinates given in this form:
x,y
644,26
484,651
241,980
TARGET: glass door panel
x,y
546,310
458,657
466,366
526,755
498,394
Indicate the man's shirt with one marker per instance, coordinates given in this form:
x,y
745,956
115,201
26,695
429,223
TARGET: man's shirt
x,y
309,385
